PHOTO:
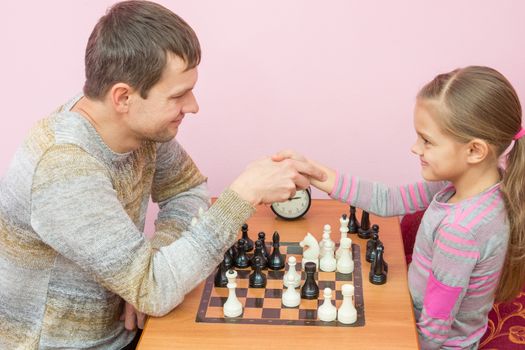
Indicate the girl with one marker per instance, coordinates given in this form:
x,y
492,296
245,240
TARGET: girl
x,y
470,247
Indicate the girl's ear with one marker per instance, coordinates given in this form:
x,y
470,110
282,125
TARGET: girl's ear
x,y
478,150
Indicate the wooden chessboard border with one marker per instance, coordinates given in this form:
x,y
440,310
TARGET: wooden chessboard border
x,y
293,248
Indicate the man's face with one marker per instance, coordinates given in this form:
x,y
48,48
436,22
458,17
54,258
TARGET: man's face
x,y
157,118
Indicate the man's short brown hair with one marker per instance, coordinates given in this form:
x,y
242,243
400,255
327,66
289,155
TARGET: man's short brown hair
x,y
130,44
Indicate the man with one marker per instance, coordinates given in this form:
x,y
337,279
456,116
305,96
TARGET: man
x,y
73,202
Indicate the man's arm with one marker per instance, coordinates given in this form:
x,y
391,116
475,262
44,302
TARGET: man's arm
x,y
180,191
75,211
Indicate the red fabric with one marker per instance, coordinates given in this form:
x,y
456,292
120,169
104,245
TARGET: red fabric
x,y
506,326
409,226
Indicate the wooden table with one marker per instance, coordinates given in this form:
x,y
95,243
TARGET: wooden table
x,y
388,309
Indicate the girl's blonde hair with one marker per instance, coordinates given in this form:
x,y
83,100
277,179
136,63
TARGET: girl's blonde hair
x,y
479,102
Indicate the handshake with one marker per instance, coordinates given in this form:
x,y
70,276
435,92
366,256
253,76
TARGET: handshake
x,y
277,178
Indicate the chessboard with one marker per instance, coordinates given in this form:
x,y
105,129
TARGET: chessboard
x,y
263,305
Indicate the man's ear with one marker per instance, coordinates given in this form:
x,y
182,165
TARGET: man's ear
x,y
120,95
477,151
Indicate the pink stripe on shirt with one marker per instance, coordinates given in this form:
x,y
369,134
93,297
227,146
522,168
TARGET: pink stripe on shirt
x,y
352,188
477,204
420,263
433,323
404,197
336,182
481,215
413,196
478,279
422,193
468,339
456,239
457,252
431,335
343,188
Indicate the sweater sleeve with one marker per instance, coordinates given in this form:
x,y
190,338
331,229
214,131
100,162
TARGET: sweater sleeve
x,y
180,191
75,210
456,253
383,200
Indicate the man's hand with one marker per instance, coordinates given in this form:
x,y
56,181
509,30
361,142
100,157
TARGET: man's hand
x,y
132,318
267,181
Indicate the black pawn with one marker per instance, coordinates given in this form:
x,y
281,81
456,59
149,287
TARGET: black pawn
x,y
310,290
228,259
233,252
249,242
371,245
353,224
242,260
259,253
377,268
257,277
262,237
364,231
220,277
276,260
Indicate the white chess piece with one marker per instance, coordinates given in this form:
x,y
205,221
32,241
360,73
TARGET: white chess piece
x,y
328,263
232,307
291,297
312,253
327,230
327,311
291,271
345,263
347,313
344,232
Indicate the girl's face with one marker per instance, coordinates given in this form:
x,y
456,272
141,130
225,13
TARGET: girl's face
x,y
441,157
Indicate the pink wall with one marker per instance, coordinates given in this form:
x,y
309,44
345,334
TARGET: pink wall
x,y
335,79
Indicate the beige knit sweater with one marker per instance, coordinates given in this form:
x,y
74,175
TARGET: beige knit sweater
x,y
72,247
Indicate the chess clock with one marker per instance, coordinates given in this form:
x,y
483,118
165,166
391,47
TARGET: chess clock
x,y
295,207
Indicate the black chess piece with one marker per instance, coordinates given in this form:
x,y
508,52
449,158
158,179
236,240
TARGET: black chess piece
x,y
228,259
364,230
233,252
249,242
257,277
276,260
378,272
353,224
220,277
261,237
260,253
371,245
241,261
310,289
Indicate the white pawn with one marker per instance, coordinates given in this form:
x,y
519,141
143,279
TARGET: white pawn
x,y
328,262
345,263
327,231
344,232
296,277
232,307
347,313
327,311
291,297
